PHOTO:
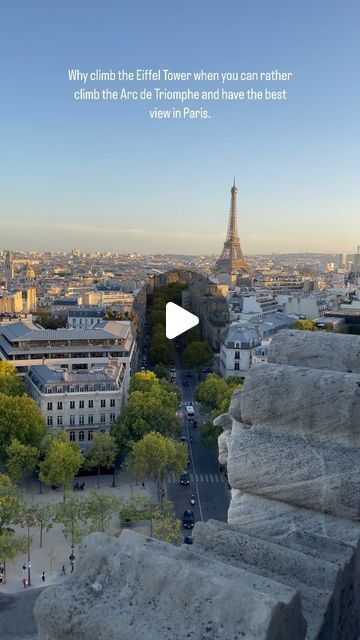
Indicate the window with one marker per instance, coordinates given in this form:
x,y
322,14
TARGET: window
x,y
58,389
102,403
59,406
72,421
90,434
91,387
102,431
237,355
49,406
81,404
48,390
102,418
72,404
237,366
112,402
49,421
72,436
81,389
81,436
81,419
237,345
91,404
112,417
72,389
90,419
59,421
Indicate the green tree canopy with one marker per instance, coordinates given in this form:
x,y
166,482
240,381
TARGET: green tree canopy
x,y
20,458
156,457
99,509
20,418
103,452
304,325
193,335
62,462
153,410
144,381
214,395
10,382
162,371
11,504
197,355
71,514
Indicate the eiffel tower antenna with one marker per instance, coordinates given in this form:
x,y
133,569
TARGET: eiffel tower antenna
x,y
231,259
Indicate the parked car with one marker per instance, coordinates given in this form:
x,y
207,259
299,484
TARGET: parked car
x,y
185,478
188,540
183,439
188,519
189,374
185,383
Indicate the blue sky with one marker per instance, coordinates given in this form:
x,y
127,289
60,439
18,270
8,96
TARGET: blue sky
x,y
105,176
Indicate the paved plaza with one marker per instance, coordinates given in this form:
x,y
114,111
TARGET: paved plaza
x,y
56,550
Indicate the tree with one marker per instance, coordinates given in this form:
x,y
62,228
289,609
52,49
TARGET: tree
x,y
162,371
71,514
197,355
10,382
20,458
20,418
144,381
160,350
103,453
165,526
62,462
209,434
10,504
156,457
193,335
146,411
98,509
10,547
215,394
44,515
211,392
304,325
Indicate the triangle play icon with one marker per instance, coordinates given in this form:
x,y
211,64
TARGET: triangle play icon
x,y
178,320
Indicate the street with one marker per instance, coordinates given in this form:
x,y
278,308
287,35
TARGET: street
x,y
207,484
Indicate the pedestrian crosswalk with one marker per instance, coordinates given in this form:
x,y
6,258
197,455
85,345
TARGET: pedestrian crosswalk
x,y
199,477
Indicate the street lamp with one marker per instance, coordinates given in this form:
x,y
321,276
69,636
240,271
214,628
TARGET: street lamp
x,y
29,520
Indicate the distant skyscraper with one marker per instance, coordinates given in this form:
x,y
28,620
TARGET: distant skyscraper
x,y
342,260
356,265
9,266
231,260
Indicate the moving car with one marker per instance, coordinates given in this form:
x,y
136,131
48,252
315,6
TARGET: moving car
x,y
185,478
188,519
189,410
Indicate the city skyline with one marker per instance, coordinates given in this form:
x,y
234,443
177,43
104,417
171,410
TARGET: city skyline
x,y
106,177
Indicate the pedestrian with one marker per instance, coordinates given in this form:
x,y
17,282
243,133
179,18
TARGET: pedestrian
x,y
43,576
163,493
143,485
24,581
72,560
63,570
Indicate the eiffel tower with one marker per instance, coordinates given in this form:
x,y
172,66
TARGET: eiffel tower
x,y
231,259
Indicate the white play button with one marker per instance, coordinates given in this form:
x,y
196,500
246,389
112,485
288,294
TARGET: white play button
x,y
178,320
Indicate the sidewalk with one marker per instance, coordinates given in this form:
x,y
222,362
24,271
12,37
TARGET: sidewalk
x,y
56,549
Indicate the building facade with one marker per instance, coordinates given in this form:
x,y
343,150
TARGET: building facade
x,y
81,402
26,344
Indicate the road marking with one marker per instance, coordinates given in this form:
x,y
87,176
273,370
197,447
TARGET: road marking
x,y
197,477
216,478
206,477
201,477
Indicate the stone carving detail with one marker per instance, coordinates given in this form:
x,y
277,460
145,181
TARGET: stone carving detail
x,y
286,566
